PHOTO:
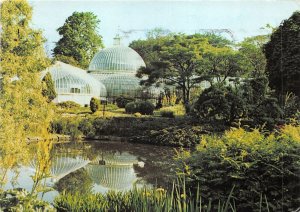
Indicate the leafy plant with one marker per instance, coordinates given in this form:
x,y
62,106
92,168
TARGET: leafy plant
x,y
258,166
145,199
68,104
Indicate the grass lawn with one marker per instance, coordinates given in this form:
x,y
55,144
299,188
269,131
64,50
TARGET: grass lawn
x,y
112,110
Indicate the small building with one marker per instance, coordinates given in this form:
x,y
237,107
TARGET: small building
x,y
74,84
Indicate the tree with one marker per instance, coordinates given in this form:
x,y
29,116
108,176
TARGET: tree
x,y
283,57
178,64
48,90
80,39
149,49
24,112
252,51
222,62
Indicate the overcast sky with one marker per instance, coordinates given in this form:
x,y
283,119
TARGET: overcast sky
x,y
243,17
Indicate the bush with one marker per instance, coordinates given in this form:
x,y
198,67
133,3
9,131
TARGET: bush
x,y
66,126
260,167
146,108
123,101
167,114
143,107
172,136
132,107
68,104
87,128
94,104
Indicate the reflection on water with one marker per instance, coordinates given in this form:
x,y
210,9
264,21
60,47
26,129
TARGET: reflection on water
x,y
98,167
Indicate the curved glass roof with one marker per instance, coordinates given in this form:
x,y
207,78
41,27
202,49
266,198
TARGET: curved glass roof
x,y
116,59
120,84
121,159
112,177
72,80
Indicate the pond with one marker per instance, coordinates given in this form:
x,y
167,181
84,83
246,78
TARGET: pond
x,y
98,166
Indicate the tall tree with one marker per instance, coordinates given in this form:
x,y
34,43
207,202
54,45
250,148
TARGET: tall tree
x,y
80,39
252,51
24,112
48,90
222,62
283,57
178,64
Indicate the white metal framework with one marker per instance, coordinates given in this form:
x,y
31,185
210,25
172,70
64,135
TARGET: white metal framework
x,y
74,84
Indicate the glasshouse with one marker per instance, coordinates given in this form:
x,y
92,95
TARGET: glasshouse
x,y
74,84
116,67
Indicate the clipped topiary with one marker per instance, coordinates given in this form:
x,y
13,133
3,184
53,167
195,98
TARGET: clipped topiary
x,y
143,107
132,107
94,104
122,101
146,108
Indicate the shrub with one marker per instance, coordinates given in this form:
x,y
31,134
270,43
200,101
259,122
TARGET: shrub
x,y
66,126
143,107
87,128
94,104
167,114
172,136
132,107
122,101
68,104
260,167
146,108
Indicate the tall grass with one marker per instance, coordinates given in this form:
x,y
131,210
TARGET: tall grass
x,y
146,199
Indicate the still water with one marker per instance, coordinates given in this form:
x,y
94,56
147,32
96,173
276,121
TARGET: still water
x,y
98,166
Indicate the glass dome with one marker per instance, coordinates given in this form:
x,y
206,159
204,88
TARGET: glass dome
x,y
74,84
112,176
121,85
116,59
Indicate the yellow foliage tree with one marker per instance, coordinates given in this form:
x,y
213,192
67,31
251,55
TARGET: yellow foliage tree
x,y
24,112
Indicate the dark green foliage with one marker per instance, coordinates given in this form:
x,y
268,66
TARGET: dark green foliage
x,y
166,113
87,128
66,126
177,62
259,167
143,107
187,136
80,39
146,108
71,182
94,104
122,101
219,103
248,102
67,59
48,90
68,104
283,57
